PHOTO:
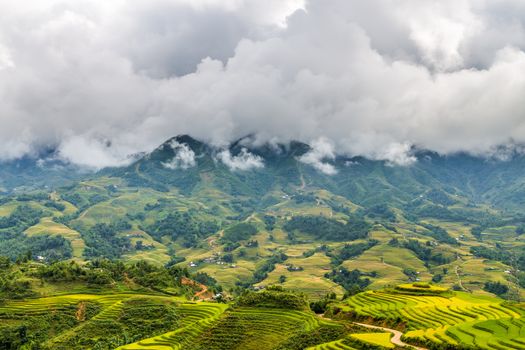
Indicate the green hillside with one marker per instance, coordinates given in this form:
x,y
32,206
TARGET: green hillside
x,y
119,241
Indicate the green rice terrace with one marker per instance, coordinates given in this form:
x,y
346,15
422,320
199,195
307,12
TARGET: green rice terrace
x,y
434,317
164,309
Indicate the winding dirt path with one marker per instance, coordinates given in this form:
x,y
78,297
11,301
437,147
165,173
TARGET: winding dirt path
x,y
460,282
396,339
303,183
456,270
203,294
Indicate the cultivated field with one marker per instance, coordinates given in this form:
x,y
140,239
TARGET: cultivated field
x,y
437,316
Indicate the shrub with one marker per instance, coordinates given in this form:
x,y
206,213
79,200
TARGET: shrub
x,y
274,297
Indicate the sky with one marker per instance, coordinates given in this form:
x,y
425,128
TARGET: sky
x,y
102,80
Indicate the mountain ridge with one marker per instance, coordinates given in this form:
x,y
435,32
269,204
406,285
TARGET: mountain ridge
x,y
498,182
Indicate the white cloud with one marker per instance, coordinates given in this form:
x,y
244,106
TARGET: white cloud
x,y
398,154
5,58
90,153
242,162
184,157
373,77
322,150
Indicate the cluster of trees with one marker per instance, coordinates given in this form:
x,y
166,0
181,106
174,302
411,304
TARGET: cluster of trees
x,y
381,211
105,272
239,232
320,306
349,251
52,248
411,274
102,240
262,270
55,205
352,281
440,197
84,202
491,253
304,198
21,218
439,234
476,231
269,222
11,284
243,207
182,225
274,297
426,253
497,288
27,197
207,280
329,229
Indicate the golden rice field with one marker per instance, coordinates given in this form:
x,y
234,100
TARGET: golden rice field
x,y
445,318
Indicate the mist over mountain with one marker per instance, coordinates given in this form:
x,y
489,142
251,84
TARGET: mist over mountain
x,y
247,168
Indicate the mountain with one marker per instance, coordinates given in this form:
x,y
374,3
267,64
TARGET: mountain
x,y
127,244
186,193
37,171
480,181
500,183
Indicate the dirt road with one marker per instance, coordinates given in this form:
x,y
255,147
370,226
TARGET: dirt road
x,y
396,339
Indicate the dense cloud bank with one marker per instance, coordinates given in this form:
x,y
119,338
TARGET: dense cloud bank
x,y
101,80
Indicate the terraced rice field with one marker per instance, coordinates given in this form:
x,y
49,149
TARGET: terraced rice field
x,y
27,307
483,322
196,318
201,325
209,327
334,345
271,326
379,339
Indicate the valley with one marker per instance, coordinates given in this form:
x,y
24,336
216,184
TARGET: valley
x,y
397,248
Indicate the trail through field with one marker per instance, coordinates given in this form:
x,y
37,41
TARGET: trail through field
x,y
303,183
203,294
396,339
212,241
460,282
203,291
251,217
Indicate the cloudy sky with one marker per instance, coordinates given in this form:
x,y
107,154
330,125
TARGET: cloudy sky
x,y
100,80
